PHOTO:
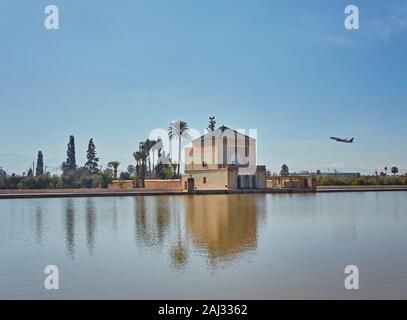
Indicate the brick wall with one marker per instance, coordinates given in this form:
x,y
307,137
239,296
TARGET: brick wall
x,y
173,185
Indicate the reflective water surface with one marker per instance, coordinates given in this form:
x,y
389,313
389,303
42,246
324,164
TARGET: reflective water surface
x,y
209,247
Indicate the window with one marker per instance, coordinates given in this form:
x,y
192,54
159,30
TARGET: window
x,y
204,179
247,144
225,151
213,150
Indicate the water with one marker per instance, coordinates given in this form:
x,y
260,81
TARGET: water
x,y
206,247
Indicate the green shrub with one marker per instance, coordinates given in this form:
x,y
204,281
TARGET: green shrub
x,y
40,182
360,181
10,181
86,181
125,176
106,177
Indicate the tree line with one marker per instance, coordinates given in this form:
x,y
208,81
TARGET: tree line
x,y
361,181
91,175
88,176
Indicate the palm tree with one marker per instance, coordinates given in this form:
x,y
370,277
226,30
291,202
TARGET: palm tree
x,y
178,130
115,165
149,144
137,157
394,170
143,153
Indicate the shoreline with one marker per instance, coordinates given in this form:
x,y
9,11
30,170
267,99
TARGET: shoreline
x,y
72,193
370,188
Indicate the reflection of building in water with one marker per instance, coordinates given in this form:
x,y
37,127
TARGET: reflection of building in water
x,y
225,226
222,227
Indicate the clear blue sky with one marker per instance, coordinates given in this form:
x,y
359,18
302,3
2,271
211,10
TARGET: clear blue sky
x,y
117,69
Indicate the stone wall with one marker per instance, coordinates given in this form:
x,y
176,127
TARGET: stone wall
x,y
261,177
170,185
211,179
292,182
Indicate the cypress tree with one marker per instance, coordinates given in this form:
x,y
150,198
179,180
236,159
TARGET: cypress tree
x,y
70,163
92,163
39,170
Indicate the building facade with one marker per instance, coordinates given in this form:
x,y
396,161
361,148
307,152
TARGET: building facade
x,y
224,159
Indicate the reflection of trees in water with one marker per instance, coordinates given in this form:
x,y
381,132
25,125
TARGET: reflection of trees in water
x,y
152,219
70,227
114,216
38,223
140,219
90,224
179,252
162,217
179,255
224,226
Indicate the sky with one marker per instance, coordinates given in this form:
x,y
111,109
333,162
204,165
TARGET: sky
x,y
115,70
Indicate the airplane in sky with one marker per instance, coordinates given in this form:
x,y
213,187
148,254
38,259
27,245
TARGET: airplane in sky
x,y
342,140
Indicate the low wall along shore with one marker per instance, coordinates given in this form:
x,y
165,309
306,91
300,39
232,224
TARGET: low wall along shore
x,y
169,185
69,193
172,185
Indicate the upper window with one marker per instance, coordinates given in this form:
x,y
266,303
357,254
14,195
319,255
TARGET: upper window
x,y
246,146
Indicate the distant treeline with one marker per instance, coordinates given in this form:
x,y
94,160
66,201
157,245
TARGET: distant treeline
x,y
79,178
73,177
361,181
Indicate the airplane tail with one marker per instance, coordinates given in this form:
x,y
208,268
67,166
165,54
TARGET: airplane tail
x,y
351,140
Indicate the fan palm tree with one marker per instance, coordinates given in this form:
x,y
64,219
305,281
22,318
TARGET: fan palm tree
x,y
178,130
115,165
